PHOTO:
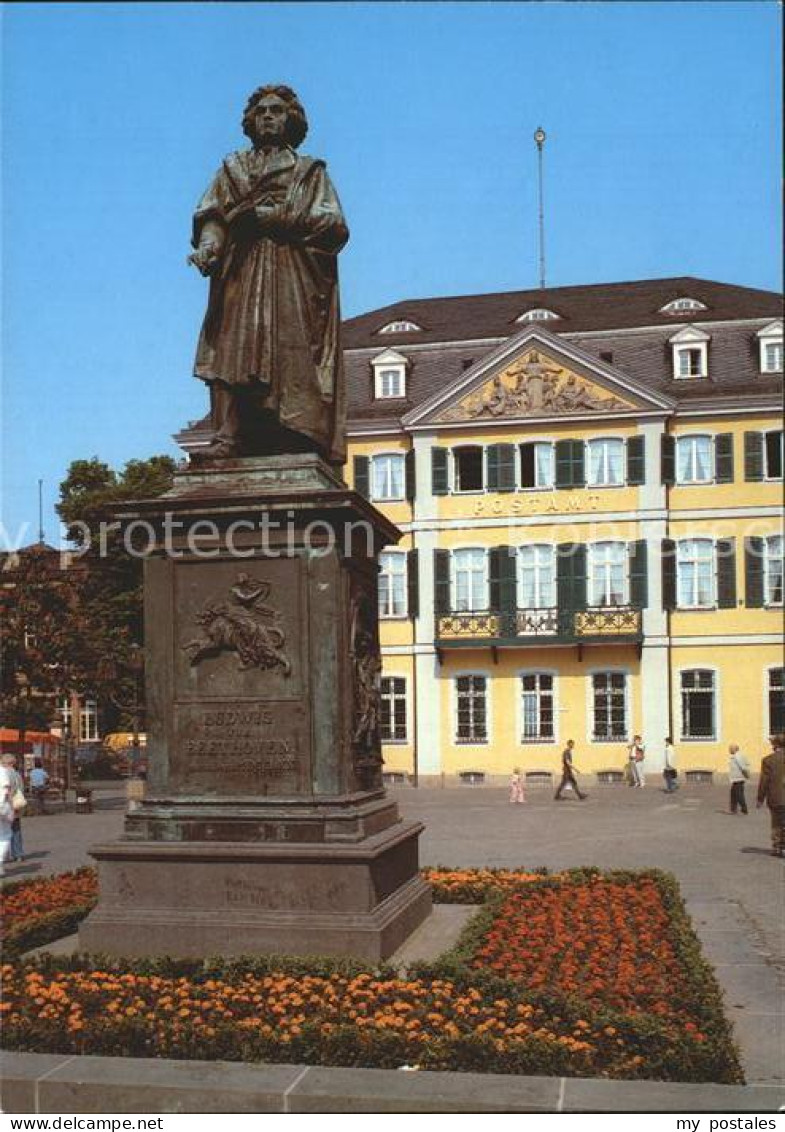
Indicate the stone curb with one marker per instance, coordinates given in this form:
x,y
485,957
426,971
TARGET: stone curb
x,y
54,1083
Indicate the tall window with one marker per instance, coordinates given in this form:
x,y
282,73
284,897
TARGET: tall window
x,y
772,570
776,701
695,573
469,580
536,577
537,704
698,711
606,462
88,720
392,584
772,454
537,464
694,463
471,709
387,476
608,573
392,722
609,690
468,468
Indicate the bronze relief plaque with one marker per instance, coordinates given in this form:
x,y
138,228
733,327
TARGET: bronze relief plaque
x,y
241,719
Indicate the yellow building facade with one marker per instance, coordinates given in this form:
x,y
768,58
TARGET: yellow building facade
x,y
591,520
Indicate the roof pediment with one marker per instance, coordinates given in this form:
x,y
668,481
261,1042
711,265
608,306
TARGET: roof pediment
x,y
688,335
536,375
772,330
389,358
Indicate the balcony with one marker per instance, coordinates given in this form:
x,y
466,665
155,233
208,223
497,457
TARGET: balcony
x,y
552,626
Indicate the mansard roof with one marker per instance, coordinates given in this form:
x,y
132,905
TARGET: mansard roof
x,y
620,324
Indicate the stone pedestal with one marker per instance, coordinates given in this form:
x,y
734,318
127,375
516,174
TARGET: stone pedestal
x,y
265,826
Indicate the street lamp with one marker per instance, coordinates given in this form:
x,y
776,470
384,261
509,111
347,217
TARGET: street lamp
x,y
22,699
110,672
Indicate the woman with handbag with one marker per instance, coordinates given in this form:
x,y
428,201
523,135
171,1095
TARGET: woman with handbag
x,y
18,803
738,773
6,818
636,753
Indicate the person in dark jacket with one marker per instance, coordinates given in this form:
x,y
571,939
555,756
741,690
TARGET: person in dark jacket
x,y
568,772
771,790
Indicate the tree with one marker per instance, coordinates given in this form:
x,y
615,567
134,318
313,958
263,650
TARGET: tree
x,y
41,650
112,590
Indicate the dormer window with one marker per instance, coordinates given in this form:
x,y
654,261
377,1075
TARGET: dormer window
x,y
770,344
539,314
690,353
683,306
400,326
389,376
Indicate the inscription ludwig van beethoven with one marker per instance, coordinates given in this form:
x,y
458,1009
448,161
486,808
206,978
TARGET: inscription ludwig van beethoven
x,y
242,624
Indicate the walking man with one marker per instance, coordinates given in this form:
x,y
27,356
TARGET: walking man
x,y
738,773
771,790
568,773
669,772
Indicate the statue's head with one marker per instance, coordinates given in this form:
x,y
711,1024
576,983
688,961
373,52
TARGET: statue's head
x,y
274,113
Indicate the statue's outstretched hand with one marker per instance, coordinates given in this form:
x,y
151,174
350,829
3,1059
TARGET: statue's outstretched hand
x,y
205,258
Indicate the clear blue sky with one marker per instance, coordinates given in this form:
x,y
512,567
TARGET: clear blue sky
x,y
663,158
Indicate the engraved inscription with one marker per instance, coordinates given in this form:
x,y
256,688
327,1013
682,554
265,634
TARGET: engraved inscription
x,y
242,747
242,624
248,894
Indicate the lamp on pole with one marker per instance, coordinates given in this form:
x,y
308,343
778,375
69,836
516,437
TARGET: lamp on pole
x,y
110,672
22,699
539,137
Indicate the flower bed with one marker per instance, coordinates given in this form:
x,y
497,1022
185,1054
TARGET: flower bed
x,y
36,912
584,973
262,1012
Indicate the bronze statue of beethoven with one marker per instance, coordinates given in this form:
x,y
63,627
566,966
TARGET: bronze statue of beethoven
x,y
268,232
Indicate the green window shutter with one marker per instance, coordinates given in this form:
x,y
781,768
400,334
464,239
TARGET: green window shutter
x,y
441,580
563,449
492,466
502,562
753,456
668,573
501,467
439,471
636,460
723,458
639,579
753,573
571,575
578,473
413,583
362,476
668,459
411,476
726,573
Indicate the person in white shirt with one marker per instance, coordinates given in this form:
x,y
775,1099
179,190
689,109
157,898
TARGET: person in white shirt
x,y
669,772
738,773
6,817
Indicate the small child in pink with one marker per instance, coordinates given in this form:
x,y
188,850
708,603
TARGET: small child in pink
x,y
517,791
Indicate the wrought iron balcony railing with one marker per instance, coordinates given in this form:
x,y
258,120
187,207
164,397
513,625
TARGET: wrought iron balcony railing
x,y
538,626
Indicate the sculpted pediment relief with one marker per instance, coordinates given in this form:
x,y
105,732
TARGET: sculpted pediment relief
x,y
534,386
